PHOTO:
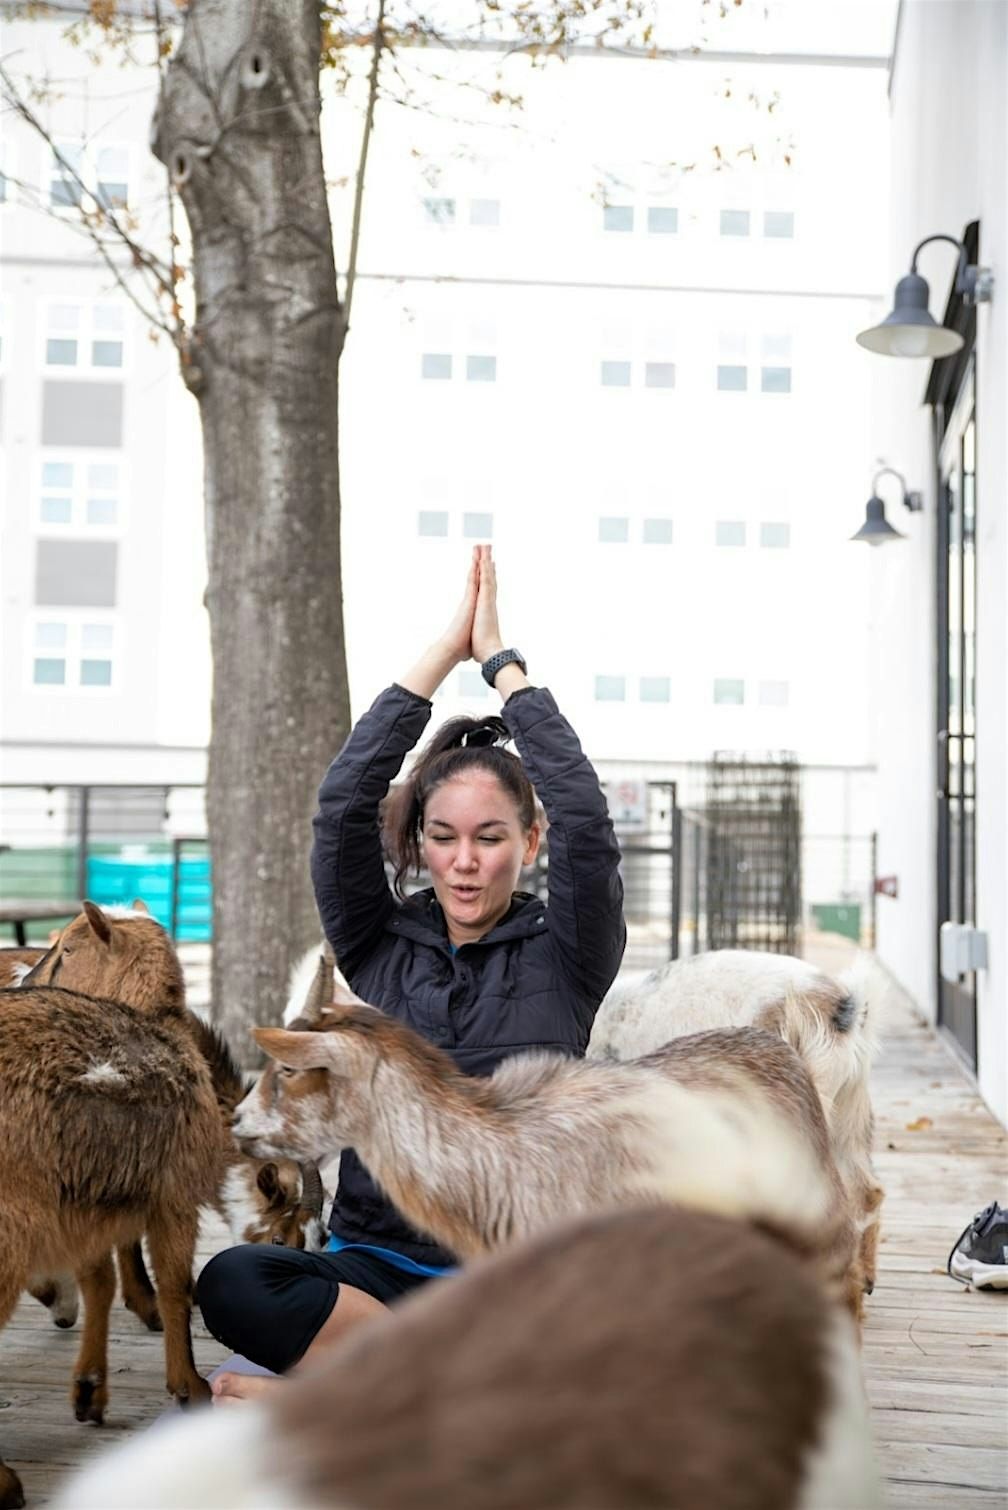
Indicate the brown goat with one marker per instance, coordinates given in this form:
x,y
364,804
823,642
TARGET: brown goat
x,y
122,953
109,1129
627,1361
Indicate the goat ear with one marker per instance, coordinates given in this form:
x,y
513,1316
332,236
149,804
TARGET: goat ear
x,y
342,996
99,922
139,905
268,1181
299,1051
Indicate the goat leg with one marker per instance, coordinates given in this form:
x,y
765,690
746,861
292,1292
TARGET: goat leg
x,y
90,1386
137,1291
172,1246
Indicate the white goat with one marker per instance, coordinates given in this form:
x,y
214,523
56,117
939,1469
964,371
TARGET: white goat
x,y
636,1359
829,1021
722,1121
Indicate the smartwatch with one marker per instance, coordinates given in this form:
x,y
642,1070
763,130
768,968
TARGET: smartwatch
x,y
497,663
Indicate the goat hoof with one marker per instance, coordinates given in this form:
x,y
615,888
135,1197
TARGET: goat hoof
x,y
89,1399
194,1393
64,1322
11,1493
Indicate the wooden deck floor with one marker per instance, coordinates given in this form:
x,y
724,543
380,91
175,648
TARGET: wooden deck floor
x,y
936,1356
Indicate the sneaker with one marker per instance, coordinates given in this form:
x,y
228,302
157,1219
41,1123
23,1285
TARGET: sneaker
x,y
980,1257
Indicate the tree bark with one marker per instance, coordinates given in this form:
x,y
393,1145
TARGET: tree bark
x,y
237,126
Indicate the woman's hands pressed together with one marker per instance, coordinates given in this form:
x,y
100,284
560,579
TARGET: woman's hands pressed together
x,y
473,633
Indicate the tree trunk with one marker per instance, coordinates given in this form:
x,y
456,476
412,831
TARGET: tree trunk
x,y
238,128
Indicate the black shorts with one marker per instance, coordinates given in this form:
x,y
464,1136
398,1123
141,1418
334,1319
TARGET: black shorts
x,y
268,1302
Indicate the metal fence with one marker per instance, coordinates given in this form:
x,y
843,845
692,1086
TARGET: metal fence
x,y
114,843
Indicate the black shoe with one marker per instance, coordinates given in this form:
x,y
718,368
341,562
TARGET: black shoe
x,y
980,1257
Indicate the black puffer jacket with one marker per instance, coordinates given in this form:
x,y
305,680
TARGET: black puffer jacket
x,y
534,981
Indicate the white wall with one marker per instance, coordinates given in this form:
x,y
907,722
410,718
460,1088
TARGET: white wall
x,y
949,137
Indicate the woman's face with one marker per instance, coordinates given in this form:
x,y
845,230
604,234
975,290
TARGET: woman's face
x,y
474,846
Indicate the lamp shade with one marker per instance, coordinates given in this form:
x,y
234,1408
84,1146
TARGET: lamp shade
x,y
909,329
876,529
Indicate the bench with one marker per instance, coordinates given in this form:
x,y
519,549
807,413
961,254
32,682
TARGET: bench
x,y
18,912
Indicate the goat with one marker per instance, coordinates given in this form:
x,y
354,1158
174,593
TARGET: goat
x,y
635,1358
109,1128
109,953
826,1019
725,1121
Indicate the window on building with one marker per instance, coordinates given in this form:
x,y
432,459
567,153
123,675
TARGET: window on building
x,y
655,689
436,365
613,529
85,336
481,369
81,176
471,683
775,379
484,212
610,689
112,177
778,223
734,222
729,690
657,531
773,694
477,526
662,220
730,532
432,522
73,653
440,211
775,536
617,217
659,374
615,374
732,378
66,175
80,493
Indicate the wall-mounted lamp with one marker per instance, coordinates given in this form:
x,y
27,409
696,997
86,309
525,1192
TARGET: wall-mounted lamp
x,y
876,529
909,330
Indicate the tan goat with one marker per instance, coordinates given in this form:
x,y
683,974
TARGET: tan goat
x,y
627,1361
109,1129
829,1021
723,1121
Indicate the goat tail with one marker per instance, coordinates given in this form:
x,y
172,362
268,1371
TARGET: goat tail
x,y
731,1154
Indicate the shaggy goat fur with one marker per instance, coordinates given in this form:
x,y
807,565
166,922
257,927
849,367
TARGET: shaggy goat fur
x,y
828,1021
635,1359
726,1122
109,1129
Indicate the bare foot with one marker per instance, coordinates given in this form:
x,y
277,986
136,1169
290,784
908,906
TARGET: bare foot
x,y
232,1389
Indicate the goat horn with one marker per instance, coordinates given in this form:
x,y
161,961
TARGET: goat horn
x,y
320,993
312,1194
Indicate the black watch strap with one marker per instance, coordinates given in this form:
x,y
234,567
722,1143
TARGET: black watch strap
x,y
497,663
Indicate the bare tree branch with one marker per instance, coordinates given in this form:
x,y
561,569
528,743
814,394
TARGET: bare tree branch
x,y
376,55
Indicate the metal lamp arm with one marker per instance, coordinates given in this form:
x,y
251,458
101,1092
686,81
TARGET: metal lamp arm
x,y
911,501
972,283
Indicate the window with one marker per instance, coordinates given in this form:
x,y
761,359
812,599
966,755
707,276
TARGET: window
x,y
773,694
484,212
76,573
662,220
775,379
655,689
481,369
477,526
610,689
613,529
778,223
82,176
729,690
471,683
112,177
659,374
615,374
734,222
73,653
775,536
80,493
436,365
617,217
657,532
730,532
732,378
85,336
432,522
65,173
440,211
